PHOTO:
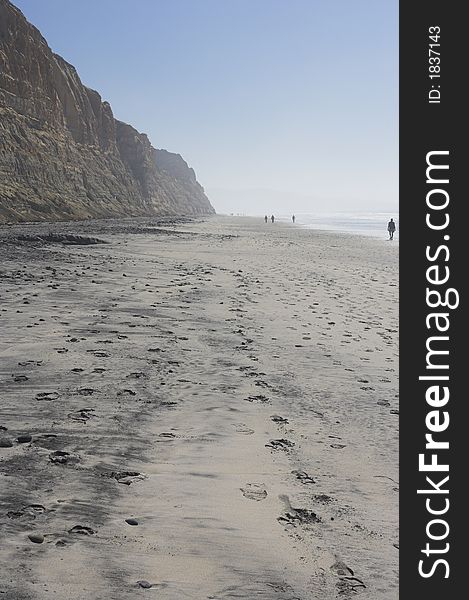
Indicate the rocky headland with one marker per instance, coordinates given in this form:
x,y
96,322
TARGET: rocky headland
x,y
63,154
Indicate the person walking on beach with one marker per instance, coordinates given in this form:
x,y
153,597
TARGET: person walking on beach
x,y
266,218
391,229
272,218
293,218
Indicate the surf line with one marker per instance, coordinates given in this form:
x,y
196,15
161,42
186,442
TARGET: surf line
x,y
439,301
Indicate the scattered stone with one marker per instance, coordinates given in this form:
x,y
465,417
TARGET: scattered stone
x,y
5,443
131,521
36,538
144,584
24,439
62,238
60,457
126,477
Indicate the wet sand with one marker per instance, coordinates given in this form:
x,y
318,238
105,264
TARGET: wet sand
x,y
212,408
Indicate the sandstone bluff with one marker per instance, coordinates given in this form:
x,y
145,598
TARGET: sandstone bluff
x,y
63,155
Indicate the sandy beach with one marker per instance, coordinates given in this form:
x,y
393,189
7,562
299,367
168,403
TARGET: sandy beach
x,y
202,410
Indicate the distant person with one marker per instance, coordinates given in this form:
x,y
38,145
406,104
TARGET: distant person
x,y
391,229
293,218
266,218
272,218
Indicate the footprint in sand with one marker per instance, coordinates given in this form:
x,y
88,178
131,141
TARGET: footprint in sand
x,y
27,512
383,403
303,477
296,516
83,415
244,429
281,444
348,584
81,530
279,419
125,477
86,391
19,378
257,398
254,491
47,396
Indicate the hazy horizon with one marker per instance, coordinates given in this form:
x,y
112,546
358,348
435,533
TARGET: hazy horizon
x,y
277,106
259,201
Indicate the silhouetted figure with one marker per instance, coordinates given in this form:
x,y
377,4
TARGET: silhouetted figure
x,y
293,218
266,218
272,218
391,229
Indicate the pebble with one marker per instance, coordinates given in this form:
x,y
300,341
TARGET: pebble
x,y
131,521
144,584
5,443
37,538
24,439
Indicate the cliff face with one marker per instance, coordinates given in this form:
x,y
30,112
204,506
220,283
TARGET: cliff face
x,y
63,155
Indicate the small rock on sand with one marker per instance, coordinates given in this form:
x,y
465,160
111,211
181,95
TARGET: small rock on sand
x,y
24,439
131,521
144,584
37,538
5,443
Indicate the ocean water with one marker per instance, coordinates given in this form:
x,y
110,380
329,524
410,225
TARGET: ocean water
x,y
371,223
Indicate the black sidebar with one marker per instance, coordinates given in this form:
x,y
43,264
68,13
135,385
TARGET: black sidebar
x,y
434,235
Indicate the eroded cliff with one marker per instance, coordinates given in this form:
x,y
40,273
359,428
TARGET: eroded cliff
x,y
63,155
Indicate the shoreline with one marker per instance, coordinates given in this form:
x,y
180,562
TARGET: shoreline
x,y
230,388
378,233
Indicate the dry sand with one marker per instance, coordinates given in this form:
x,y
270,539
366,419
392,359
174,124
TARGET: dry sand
x,y
230,385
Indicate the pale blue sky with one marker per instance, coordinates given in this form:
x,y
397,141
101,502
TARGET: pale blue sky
x,y
292,104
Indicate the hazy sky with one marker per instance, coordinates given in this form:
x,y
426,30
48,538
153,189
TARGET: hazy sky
x,y
278,105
